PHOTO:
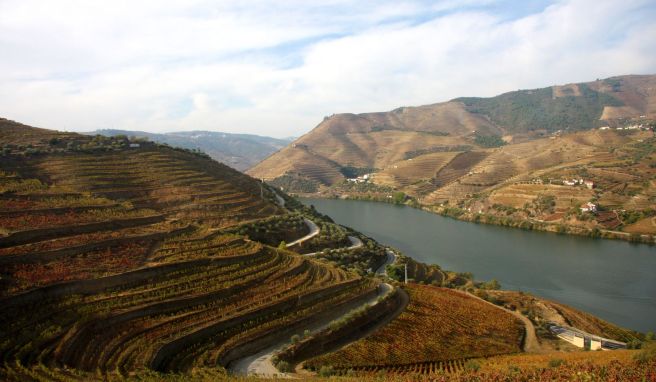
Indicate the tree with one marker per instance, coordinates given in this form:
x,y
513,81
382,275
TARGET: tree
x,y
284,366
398,197
493,284
595,232
282,245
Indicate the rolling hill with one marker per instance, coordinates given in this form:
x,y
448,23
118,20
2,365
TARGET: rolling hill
x,y
378,141
239,151
118,256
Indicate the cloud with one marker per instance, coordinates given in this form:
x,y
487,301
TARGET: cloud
x,y
276,68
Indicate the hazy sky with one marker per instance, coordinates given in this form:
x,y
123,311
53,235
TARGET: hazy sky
x,y
278,67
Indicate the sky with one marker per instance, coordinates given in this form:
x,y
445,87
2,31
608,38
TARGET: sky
x,y
277,68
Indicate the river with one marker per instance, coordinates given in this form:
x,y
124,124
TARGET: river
x,y
614,280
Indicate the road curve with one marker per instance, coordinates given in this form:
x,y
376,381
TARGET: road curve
x,y
391,258
260,364
314,231
355,243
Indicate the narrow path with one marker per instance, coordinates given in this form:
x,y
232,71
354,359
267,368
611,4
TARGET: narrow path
x,y
314,231
260,363
531,343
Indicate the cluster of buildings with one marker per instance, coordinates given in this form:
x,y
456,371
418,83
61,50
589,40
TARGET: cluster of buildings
x,y
360,179
630,127
575,182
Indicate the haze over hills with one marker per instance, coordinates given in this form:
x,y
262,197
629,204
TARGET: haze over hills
x,y
379,140
240,151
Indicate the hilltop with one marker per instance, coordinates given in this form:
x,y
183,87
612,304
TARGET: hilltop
x,y
520,158
346,143
239,151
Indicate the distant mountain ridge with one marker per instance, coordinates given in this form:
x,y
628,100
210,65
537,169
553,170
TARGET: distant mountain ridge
x,y
383,139
240,151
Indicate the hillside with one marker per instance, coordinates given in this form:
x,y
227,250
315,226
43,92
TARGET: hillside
x,y
118,256
439,325
239,151
516,169
377,141
124,259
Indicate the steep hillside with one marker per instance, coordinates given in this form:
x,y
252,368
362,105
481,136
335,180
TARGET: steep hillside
x,y
239,151
118,256
376,141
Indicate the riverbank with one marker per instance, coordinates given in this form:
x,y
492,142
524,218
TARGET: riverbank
x,y
611,279
503,221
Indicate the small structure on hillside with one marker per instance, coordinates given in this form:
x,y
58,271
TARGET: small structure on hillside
x,y
589,184
584,340
589,207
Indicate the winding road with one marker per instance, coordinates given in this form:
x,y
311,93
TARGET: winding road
x,y
280,200
260,363
391,258
355,243
314,231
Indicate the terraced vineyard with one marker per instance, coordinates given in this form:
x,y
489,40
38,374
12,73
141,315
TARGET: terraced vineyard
x,y
119,259
439,329
413,170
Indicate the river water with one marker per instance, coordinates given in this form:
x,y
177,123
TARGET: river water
x,y
613,280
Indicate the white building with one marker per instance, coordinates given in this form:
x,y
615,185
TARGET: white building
x,y
589,207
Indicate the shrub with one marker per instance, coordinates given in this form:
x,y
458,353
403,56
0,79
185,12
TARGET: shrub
x,y
326,371
284,366
472,365
634,344
555,362
646,355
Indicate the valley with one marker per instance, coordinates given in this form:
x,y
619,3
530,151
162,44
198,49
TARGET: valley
x,y
339,191
130,260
